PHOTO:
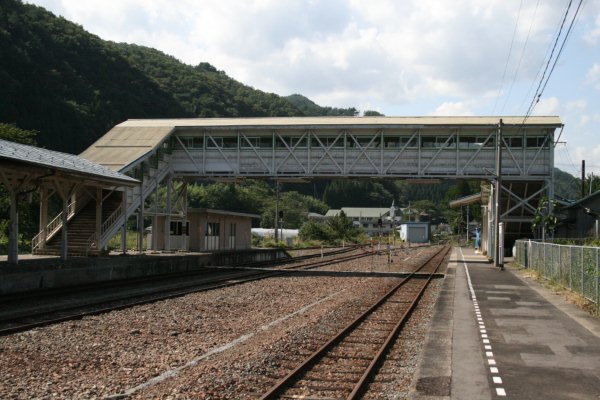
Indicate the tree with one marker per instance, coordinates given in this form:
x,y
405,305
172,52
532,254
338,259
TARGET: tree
x,y
545,219
12,133
341,227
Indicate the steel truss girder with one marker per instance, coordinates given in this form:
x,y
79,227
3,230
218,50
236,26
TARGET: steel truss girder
x,y
344,155
522,202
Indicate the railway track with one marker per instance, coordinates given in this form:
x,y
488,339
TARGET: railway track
x,y
343,367
69,308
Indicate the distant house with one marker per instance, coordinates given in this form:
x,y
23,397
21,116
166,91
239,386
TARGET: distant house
x,y
367,218
578,220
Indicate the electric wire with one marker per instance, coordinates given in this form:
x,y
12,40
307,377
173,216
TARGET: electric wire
x,y
508,57
545,79
520,58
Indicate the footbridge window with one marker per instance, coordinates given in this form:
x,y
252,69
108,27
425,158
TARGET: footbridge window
x,y
474,142
398,142
436,142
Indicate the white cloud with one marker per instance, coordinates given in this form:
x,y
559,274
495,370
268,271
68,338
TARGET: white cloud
x,y
593,75
452,109
591,37
578,105
394,52
549,106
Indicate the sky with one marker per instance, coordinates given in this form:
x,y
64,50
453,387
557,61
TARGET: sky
x,y
401,58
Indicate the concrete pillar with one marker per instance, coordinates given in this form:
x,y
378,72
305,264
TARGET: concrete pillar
x,y
155,233
13,229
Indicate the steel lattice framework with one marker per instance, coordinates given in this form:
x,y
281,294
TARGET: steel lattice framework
x,y
156,152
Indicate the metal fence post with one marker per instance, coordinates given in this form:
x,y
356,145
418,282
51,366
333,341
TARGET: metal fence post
x,y
597,279
559,264
570,267
582,274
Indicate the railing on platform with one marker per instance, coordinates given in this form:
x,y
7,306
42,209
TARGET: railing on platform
x,y
576,268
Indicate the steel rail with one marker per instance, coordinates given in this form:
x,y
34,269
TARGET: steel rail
x,y
311,360
146,298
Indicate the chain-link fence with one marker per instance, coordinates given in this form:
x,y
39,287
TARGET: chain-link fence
x,y
574,267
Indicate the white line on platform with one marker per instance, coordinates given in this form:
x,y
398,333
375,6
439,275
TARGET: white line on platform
x,y
489,354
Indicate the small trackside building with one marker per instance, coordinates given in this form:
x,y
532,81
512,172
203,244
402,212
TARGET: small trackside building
x,y
204,230
415,232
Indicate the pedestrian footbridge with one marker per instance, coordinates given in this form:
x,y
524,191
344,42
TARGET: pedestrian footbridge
x,y
163,151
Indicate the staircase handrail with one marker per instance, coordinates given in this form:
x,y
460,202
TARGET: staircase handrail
x,y
109,227
111,219
53,226
92,243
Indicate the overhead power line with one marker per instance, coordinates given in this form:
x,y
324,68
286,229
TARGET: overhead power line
x,y
508,57
554,60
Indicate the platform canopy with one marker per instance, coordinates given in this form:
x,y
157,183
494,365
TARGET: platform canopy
x,y
24,169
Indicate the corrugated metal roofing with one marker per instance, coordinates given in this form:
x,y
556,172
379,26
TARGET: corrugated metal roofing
x,y
22,153
310,121
124,144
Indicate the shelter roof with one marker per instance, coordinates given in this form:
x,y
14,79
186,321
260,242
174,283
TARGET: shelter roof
x,y
221,212
466,200
31,156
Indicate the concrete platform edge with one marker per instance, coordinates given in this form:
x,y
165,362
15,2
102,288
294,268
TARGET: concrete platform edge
x,y
433,376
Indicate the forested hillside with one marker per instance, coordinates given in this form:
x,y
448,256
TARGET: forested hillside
x,y
72,86
62,88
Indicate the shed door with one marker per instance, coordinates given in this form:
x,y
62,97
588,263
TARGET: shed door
x,y
417,234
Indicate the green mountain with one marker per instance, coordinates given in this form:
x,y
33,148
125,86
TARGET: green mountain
x,y
72,86
309,107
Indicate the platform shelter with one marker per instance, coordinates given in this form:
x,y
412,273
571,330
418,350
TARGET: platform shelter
x,y
80,184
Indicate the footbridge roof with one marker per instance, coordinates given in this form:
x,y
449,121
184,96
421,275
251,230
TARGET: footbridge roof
x,y
129,141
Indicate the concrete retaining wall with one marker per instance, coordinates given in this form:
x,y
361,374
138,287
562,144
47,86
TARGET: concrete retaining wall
x,y
31,275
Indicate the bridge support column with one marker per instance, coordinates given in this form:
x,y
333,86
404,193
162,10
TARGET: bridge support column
x,y
167,245
13,236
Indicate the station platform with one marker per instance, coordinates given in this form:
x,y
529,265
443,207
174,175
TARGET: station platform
x,y
496,334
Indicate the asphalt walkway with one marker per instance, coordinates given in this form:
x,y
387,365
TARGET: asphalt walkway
x,y
496,335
